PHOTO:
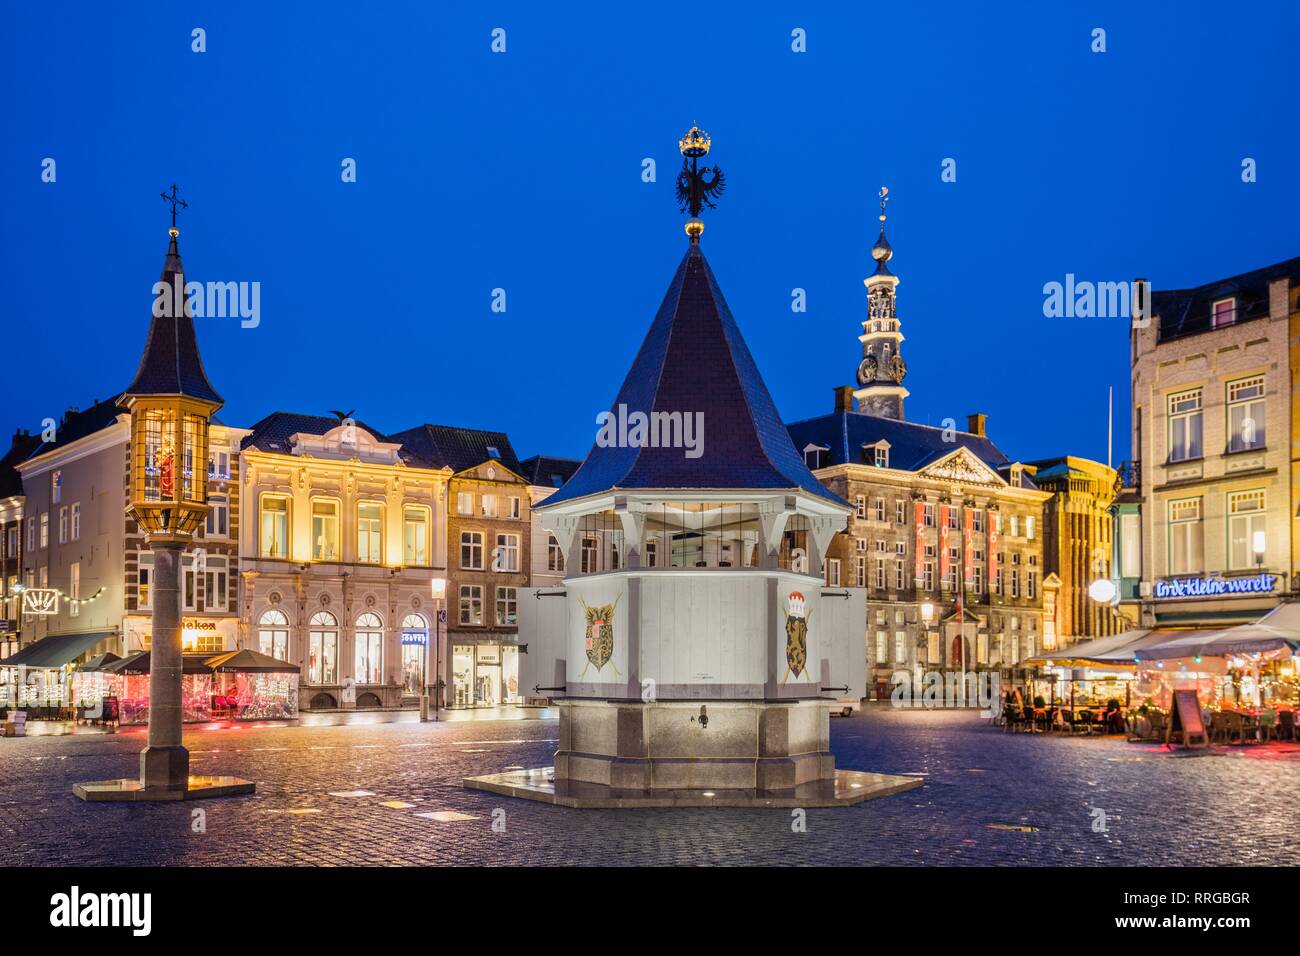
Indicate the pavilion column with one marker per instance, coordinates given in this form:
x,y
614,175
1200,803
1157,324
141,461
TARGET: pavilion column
x,y
165,763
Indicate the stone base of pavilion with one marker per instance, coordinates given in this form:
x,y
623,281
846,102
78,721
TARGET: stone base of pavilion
x,y
846,788
131,789
736,753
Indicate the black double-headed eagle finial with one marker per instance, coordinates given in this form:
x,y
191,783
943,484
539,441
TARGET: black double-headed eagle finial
x,y
697,186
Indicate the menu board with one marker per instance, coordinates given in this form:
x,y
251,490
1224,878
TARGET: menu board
x,y
1186,719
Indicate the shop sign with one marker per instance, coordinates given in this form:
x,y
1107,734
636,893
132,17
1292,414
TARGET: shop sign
x,y
1214,586
40,602
416,638
197,624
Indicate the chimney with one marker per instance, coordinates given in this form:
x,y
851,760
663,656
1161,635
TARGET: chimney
x,y
975,424
844,398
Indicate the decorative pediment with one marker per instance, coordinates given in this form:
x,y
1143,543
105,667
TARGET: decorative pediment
x,y
345,441
962,467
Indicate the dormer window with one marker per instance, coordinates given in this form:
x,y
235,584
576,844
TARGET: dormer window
x,y
493,452
1223,312
876,453
812,456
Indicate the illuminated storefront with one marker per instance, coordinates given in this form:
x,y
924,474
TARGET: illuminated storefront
x,y
485,675
415,643
200,633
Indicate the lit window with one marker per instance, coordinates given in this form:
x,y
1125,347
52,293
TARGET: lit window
x,y
415,536
471,604
555,555
45,529
1224,312
1186,536
882,456
143,576
63,524
273,634
324,529
471,550
507,553
464,503
370,521
74,589
1246,529
275,526
588,555
323,649
369,649
1246,414
1185,426
218,522
833,572
215,592
507,606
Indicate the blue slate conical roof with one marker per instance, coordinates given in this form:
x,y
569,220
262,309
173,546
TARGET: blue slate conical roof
x,y
694,360
171,364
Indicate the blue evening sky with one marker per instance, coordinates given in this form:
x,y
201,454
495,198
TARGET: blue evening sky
x,y
522,171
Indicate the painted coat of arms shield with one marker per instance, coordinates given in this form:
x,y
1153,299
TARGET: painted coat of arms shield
x,y
796,633
598,633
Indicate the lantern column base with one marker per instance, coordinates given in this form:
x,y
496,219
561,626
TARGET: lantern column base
x,y
166,768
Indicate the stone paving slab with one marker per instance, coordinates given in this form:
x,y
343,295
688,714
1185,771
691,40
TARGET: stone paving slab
x,y
1045,791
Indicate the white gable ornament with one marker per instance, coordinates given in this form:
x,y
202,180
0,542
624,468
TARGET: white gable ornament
x,y
964,468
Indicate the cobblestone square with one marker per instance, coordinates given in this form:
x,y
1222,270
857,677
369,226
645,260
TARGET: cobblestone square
x,y
390,794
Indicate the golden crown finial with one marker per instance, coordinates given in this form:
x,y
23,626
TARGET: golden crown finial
x,y
695,143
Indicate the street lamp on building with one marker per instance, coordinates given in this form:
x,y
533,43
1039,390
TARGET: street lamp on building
x,y
1102,591
438,590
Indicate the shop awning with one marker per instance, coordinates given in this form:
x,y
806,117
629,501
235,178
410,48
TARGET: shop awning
x,y
56,651
249,661
1107,651
98,663
140,663
1280,628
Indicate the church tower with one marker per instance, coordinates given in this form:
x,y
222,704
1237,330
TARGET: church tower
x,y
882,369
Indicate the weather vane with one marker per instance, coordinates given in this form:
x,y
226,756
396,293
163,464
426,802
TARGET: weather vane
x,y
884,199
697,186
175,201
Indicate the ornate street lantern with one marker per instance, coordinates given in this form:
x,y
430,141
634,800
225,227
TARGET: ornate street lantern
x,y
171,403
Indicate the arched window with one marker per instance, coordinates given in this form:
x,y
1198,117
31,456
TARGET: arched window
x,y
323,649
273,634
415,641
370,649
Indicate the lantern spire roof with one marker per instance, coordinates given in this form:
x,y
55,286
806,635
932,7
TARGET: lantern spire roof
x,y
171,364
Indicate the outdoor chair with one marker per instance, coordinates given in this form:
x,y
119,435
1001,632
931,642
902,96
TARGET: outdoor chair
x,y
1235,727
1267,726
1158,721
1286,725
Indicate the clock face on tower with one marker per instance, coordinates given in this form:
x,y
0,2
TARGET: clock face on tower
x,y
867,370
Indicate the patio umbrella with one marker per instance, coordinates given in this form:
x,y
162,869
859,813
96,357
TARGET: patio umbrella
x,y
138,664
1106,651
98,663
248,661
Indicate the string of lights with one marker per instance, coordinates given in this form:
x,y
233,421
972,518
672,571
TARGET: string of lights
x,y
63,596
